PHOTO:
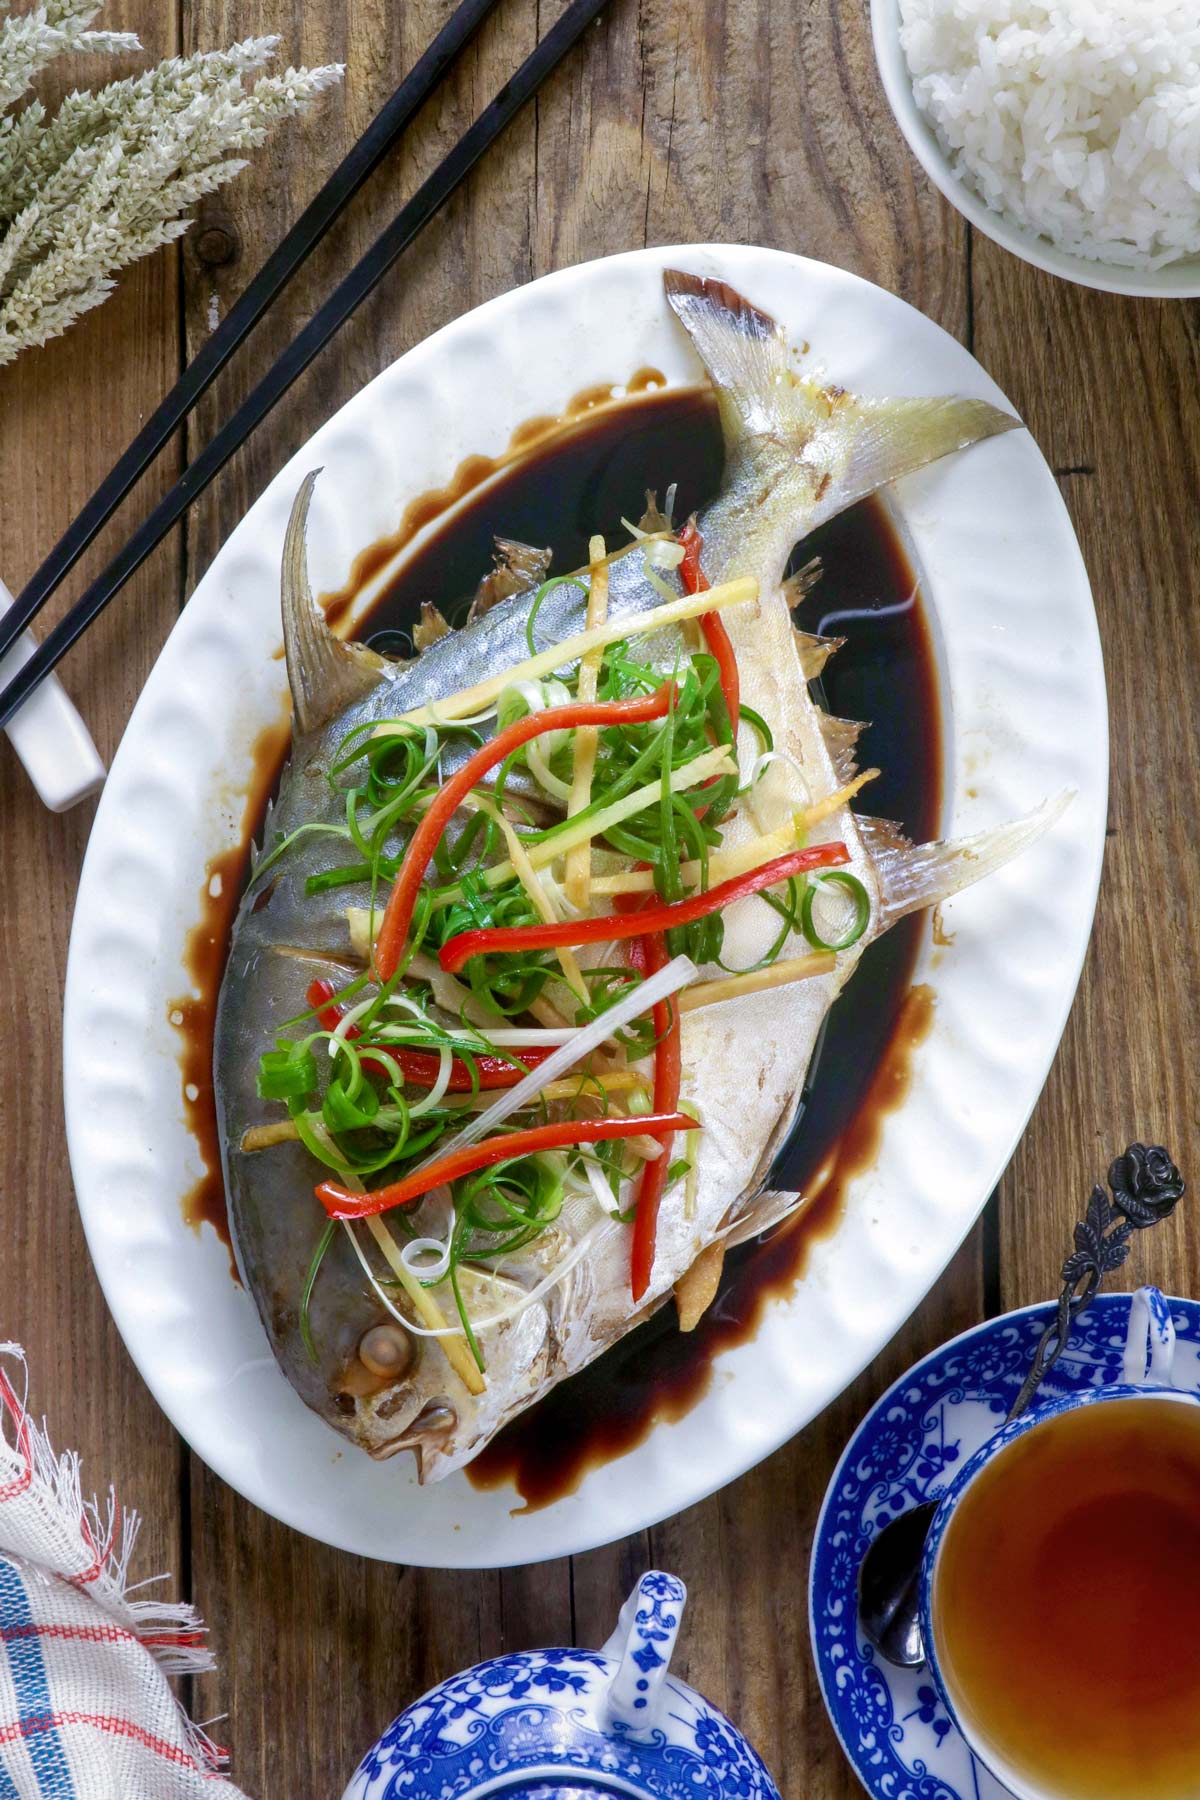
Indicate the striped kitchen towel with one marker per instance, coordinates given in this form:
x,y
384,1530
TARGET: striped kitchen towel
x,y
85,1709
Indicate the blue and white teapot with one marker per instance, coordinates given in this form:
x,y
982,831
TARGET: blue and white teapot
x,y
570,1725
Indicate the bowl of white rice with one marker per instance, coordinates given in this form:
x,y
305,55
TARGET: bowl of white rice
x,y
1067,130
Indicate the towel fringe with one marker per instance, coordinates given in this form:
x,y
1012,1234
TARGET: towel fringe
x,y
90,1543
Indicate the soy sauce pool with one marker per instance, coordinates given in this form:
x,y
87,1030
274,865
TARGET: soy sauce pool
x,y
585,480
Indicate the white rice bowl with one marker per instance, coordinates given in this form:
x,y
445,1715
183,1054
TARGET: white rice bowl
x,y
1078,119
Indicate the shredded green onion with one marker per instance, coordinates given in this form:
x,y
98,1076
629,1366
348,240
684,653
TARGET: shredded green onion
x,y
287,1073
310,1282
760,725
347,1092
862,909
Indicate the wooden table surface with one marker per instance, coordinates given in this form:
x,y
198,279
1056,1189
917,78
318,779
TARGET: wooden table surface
x,y
678,120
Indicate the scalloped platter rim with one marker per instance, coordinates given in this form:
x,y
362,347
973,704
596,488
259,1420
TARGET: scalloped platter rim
x,y
1024,714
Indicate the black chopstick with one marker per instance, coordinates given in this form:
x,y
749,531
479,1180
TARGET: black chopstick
x,y
366,274
316,219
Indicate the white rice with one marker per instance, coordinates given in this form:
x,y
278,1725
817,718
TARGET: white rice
x,y
1079,119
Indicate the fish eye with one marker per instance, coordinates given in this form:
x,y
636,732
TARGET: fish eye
x,y
385,1350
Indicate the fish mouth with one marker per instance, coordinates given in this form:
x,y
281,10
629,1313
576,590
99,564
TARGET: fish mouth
x,y
429,1428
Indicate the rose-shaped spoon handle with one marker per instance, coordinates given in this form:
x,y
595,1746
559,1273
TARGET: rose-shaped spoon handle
x,y
1146,1187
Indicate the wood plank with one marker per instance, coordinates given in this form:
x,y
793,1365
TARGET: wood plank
x,y
1109,390
67,410
319,1650
478,247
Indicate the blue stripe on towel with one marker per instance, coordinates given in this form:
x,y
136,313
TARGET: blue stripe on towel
x,y
46,1750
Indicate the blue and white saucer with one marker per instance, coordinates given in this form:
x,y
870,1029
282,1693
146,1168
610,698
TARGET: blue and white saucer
x,y
891,1722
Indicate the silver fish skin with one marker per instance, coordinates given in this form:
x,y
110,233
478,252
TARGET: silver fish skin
x,y
796,456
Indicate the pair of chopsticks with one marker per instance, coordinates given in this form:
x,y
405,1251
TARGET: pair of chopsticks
x,y
270,281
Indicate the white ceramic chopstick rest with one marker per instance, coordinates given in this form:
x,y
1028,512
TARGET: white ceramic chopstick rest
x,y
48,734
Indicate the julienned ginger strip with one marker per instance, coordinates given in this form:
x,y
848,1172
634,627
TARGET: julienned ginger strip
x,y
579,860
738,592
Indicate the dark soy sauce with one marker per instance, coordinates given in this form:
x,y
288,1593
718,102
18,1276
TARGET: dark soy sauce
x,y
586,478
566,488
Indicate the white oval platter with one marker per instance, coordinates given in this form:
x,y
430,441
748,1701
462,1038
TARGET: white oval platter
x,y
1023,694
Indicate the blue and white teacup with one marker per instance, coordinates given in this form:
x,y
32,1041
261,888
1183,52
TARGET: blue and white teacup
x,y
1146,1377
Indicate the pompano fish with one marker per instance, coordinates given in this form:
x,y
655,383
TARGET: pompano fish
x,y
797,454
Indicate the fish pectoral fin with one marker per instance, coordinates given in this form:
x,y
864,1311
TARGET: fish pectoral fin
x,y
881,835
770,1208
912,876
325,674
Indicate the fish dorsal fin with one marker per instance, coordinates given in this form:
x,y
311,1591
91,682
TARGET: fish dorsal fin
x,y
517,568
846,446
799,586
841,737
814,652
882,835
430,628
656,517
325,674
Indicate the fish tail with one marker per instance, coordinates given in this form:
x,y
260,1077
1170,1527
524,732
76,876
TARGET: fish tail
x,y
325,674
741,346
912,876
850,446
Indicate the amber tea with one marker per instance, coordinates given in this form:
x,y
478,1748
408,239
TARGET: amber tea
x,y
1066,1604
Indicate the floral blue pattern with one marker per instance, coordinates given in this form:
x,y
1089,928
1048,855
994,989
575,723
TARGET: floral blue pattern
x,y
891,1722
657,1623
526,1716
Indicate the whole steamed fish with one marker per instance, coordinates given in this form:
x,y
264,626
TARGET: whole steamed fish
x,y
796,456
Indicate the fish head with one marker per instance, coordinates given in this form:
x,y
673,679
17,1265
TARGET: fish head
x,y
339,1326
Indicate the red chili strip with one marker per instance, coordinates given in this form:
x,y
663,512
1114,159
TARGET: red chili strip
x,y
633,903
397,918
320,996
341,1203
425,1066
635,956
459,950
668,1072
695,581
